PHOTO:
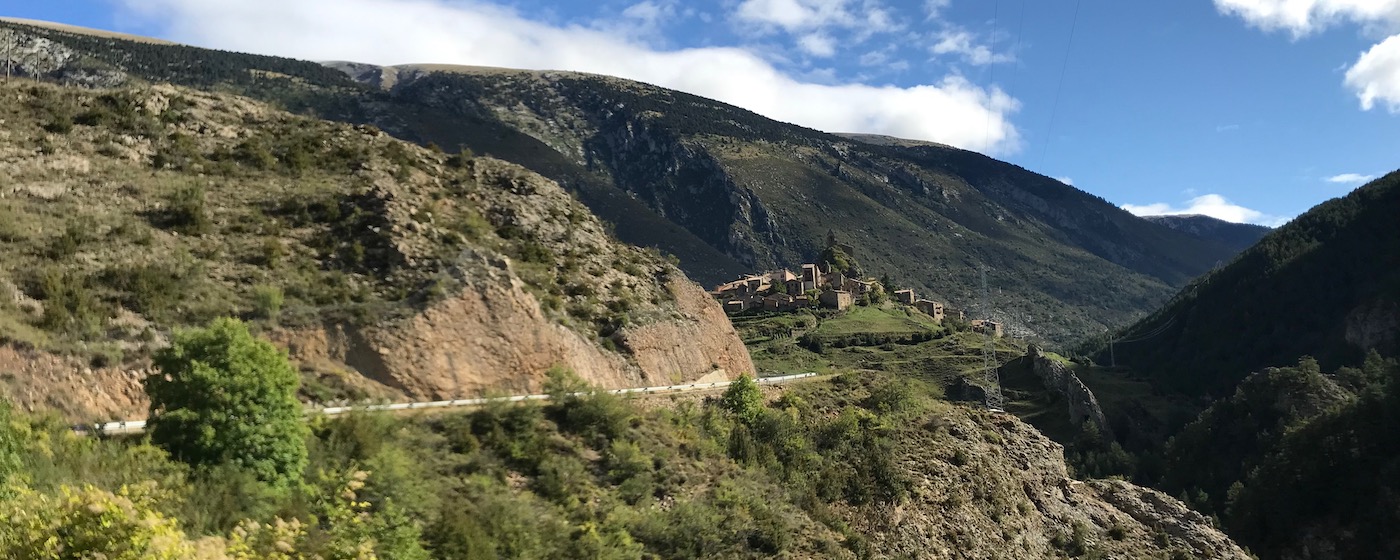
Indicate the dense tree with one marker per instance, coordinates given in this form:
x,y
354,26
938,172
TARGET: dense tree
x,y
743,399
224,397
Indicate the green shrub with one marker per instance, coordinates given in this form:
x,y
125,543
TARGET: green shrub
x,y
76,234
223,397
155,290
581,409
88,522
743,399
267,302
70,305
185,212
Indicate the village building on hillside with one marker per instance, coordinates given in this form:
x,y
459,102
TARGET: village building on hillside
x,y
839,300
782,291
905,297
931,308
985,326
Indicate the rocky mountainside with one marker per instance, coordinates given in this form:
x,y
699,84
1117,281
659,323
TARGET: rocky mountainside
x,y
725,190
386,268
1237,237
986,485
764,194
1325,285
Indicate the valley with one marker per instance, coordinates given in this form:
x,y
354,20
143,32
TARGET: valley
x,y
977,360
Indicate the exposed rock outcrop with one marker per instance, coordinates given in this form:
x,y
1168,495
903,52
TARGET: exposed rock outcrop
x,y
1059,378
1166,514
493,337
988,486
1375,325
38,381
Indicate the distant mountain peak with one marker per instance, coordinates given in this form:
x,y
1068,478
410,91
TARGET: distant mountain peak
x,y
1236,236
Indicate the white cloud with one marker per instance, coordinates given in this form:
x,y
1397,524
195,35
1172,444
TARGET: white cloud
x,y
813,25
934,8
650,13
1227,128
1350,178
817,44
1065,180
1375,76
950,110
964,43
795,16
1212,205
1303,17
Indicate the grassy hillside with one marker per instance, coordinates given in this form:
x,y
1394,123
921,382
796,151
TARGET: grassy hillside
x,y
1325,285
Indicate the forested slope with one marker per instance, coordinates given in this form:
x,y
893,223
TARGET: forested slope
x,y
1326,285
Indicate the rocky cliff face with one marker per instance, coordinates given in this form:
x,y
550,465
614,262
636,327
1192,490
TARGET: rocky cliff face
x,y
1060,379
988,486
493,337
1375,326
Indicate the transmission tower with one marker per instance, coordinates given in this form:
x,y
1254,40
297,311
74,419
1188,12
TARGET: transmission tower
x,y
991,382
9,55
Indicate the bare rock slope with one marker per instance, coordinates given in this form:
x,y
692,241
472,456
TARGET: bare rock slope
x,y
986,485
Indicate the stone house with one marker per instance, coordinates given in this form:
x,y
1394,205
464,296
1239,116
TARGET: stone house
x,y
905,297
983,326
839,300
778,302
931,308
811,278
858,287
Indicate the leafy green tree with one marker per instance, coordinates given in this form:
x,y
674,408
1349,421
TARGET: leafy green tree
x,y
224,397
743,399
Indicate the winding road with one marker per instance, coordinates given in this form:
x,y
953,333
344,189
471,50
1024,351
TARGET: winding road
x,y
138,426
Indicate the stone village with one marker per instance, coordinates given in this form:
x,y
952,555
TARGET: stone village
x,y
782,291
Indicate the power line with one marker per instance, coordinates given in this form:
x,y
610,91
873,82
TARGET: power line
x,y
1154,333
991,74
1055,107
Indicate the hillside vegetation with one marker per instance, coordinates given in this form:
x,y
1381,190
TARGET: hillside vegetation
x,y
855,467
725,190
128,212
1325,285
1298,464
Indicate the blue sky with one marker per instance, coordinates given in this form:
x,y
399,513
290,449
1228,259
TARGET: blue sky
x,y
1249,110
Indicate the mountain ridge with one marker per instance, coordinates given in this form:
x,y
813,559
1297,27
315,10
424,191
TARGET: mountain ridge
x,y
1236,236
731,192
1325,285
